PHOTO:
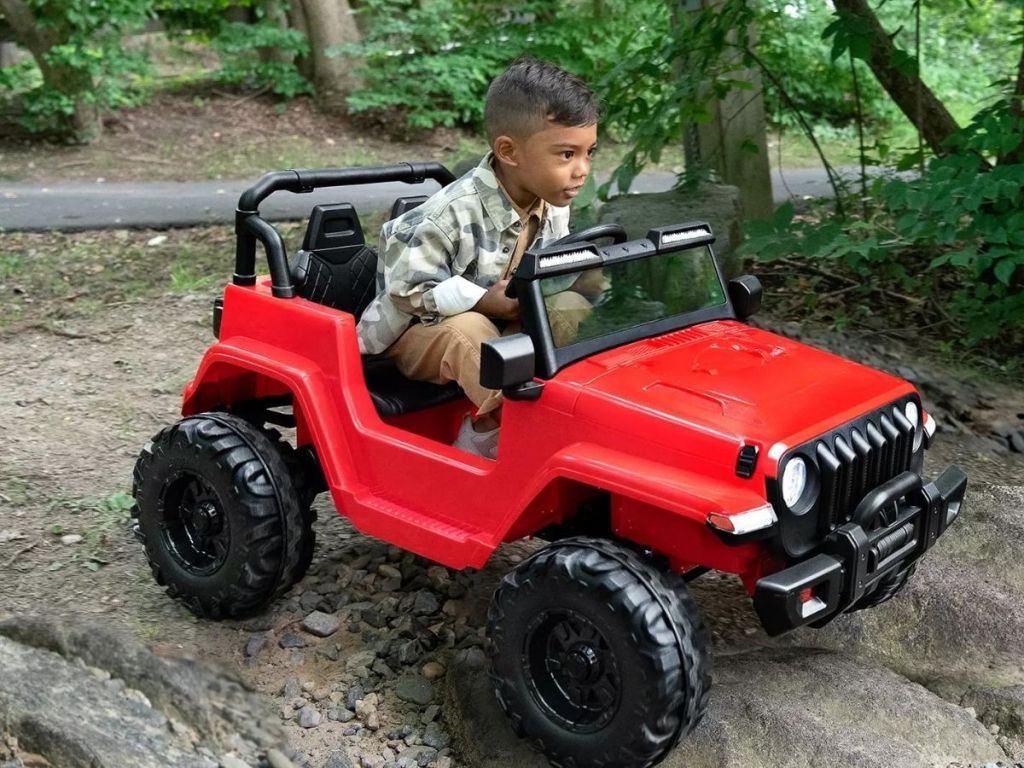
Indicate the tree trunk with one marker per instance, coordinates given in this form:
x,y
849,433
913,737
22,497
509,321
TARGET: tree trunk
x,y
1016,155
930,116
330,23
277,13
83,124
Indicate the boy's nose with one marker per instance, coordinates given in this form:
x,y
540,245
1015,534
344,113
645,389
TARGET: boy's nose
x,y
582,168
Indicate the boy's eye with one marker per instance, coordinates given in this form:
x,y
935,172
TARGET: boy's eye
x,y
567,154
591,151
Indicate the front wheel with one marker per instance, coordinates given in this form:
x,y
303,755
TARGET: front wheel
x,y
219,515
598,658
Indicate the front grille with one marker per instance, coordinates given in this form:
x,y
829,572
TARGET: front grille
x,y
858,457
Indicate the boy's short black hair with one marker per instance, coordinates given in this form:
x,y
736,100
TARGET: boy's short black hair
x,y
531,93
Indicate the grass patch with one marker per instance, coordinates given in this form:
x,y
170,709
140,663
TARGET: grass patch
x,y
56,277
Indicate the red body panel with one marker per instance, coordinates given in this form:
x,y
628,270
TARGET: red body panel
x,y
657,423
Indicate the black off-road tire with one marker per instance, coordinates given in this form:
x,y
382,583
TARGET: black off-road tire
x,y
887,589
306,489
644,663
221,464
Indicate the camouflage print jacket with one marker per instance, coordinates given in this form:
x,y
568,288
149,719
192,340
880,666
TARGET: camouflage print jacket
x,y
439,259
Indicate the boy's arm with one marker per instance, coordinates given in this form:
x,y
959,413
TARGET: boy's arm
x,y
418,273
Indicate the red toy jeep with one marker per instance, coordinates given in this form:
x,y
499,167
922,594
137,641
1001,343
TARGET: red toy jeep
x,y
665,438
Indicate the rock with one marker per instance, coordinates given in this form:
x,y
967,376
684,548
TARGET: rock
x,y
309,717
432,670
277,759
230,761
210,707
717,204
414,688
430,714
141,710
785,707
290,640
256,642
374,617
1002,709
417,757
70,539
292,688
409,652
312,601
353,695
338,759
321,624
434,736
359,663
425,603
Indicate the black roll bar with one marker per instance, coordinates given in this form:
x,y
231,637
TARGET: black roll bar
x,y
250,227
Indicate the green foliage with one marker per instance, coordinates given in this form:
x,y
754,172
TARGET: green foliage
x,y
82,61
432,61
256,53
961,224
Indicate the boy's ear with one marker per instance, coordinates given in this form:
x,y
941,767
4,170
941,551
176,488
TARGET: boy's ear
x,y
506,151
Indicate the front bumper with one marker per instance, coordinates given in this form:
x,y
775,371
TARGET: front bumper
x,y
890,529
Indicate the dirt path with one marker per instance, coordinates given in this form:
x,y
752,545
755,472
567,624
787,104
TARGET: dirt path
x,y
75,408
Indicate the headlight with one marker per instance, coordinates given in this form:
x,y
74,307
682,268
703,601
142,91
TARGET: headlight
x,y
794,481
913,415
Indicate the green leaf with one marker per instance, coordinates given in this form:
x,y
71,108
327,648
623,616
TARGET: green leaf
x,y
783,216
1005,268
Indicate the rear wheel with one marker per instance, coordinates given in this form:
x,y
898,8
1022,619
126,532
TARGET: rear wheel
x,y
599,658
219,515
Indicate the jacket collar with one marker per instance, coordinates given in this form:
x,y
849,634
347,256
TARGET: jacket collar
x,y
496,203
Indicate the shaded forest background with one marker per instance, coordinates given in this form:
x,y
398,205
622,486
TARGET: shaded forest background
x,y
929,96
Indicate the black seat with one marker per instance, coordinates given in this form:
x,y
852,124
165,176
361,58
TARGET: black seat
x,y
336,268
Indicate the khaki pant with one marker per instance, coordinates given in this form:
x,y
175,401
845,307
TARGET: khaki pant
x,y
450,350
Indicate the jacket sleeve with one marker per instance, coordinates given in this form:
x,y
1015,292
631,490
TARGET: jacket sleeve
x,y
418,273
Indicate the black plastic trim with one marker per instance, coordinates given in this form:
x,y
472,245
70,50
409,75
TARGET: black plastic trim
x,y
803,529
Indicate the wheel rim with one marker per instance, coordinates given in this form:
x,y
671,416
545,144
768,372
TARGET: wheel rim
x,y
571,670
193,524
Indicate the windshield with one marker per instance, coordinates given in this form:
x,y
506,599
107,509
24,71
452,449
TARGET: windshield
x,y
597,302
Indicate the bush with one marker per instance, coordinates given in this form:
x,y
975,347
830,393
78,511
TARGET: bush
x,y
961,223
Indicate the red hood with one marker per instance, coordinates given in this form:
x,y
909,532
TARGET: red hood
x,y
730,378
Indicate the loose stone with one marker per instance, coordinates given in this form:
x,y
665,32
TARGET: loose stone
x,y
257,641
289,640
321,624
432,670
415,688
309,717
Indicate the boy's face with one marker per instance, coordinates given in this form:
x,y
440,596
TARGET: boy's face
x,y
551,164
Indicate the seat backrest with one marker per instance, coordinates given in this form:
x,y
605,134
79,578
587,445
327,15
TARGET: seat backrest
x,y
403,204
335,266
334,232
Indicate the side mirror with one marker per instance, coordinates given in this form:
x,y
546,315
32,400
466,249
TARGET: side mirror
x,y
507,363
745,295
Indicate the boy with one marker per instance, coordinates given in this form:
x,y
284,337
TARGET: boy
x,y
443,267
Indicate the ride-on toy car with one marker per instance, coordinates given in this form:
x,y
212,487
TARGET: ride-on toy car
x,y
662,438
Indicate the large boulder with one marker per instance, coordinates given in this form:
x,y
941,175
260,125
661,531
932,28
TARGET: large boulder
x,y
716,204
777,708
82,695
960,621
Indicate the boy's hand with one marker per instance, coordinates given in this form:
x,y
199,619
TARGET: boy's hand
x,y
496,305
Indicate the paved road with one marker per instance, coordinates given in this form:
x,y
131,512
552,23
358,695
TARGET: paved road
x,y
74,206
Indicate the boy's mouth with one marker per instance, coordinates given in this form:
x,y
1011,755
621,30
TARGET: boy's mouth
x,y
573,191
